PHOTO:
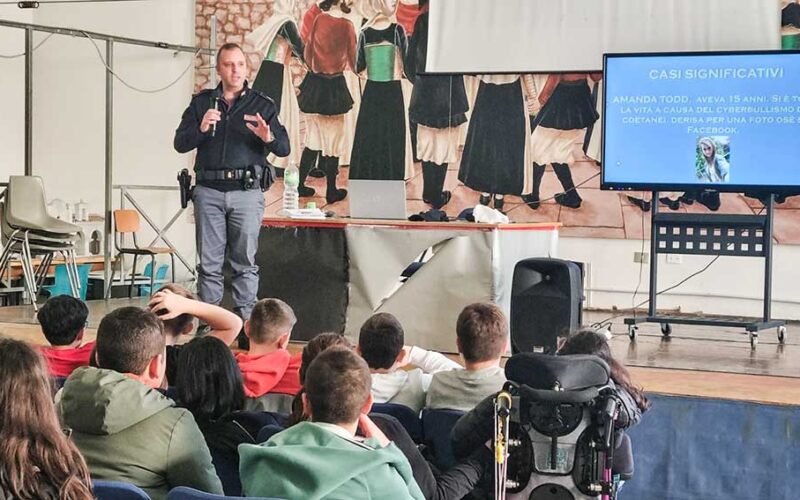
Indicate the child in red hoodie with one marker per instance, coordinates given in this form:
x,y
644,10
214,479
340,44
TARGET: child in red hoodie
x,y
63,321
268,369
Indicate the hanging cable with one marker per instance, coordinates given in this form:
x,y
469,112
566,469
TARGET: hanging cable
x,y
132,87
3,56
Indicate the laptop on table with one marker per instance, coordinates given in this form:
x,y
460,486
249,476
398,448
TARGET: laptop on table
x,y
371,199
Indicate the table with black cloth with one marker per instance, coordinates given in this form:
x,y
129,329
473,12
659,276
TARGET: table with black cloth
x,y
335,273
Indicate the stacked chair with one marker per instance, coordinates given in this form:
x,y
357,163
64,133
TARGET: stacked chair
x,y
29,231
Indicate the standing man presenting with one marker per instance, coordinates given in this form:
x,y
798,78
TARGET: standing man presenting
x,y
234,128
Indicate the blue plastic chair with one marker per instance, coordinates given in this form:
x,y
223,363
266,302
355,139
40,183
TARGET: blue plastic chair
x,y
160,279
407,417
436,428
117,490
184,493
61,284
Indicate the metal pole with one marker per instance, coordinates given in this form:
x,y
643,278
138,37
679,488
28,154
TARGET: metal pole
x,y
28,101
768,258
651,307
109,170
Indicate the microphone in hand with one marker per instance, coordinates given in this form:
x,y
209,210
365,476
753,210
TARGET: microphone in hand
x,y
215,105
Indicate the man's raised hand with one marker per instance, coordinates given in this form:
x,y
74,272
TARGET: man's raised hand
x,y
258,126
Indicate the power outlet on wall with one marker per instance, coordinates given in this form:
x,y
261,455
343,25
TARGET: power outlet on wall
x,y
674,259
641,257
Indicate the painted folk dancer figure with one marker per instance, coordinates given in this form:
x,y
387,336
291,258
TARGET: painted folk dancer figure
x,y
497,150
324,97
438,108
381,148
233,128
567,109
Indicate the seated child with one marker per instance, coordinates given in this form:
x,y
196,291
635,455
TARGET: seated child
x,y
177,308
311,350
210,386
267,367
123,426
632,398
323,458
475,428
482,338
63,322
380,343
456,482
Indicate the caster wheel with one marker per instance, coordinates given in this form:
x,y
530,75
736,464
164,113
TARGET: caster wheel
x,y
753,340
632,329
782,334
666,329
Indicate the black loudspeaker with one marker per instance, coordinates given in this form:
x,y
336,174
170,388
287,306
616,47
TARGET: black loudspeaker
x,y
546,299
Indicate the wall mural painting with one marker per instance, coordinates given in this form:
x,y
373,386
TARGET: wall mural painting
x,y
345,76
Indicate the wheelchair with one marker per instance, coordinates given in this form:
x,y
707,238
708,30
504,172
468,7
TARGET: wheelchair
x,y
554,435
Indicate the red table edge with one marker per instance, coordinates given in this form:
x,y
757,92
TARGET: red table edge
x,y
341,223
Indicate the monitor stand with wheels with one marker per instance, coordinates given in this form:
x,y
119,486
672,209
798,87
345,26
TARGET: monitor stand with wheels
x,y
711,234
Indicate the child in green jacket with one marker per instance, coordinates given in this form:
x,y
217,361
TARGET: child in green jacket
x,y
323,458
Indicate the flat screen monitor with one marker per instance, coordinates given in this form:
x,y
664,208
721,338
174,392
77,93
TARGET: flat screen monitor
x,y
687,121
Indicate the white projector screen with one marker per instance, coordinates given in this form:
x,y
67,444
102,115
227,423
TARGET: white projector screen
x,y
526,36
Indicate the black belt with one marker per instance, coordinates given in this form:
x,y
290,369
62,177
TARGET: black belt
x,y
228,174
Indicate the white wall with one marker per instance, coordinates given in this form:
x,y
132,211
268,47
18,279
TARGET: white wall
x,y
731,286
12,87
69,105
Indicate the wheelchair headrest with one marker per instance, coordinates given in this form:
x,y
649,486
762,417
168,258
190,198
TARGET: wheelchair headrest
x,y
571,372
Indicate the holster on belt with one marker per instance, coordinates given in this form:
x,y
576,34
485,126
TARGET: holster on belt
x,y
185,184
267,177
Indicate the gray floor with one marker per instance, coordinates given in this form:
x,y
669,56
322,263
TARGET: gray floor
x,y
691,347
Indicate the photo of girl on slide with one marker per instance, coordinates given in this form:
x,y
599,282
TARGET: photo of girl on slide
x,y
713,159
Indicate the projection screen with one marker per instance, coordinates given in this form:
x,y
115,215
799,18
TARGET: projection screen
x,y
522,36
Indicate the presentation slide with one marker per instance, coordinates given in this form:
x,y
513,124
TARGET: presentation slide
x,y
721,121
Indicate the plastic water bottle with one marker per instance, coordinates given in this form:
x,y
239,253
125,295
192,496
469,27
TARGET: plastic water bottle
x,y
291,180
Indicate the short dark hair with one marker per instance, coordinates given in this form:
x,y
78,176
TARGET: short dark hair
x,y
175,326
380,340
314,347
318,344
62,317
482,331
209,381
128,338
337,386
270,319
228,46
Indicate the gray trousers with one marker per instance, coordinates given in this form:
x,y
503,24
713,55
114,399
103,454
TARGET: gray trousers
x,y
228,221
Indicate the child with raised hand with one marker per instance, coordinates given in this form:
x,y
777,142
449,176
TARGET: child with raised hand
x,y
177,308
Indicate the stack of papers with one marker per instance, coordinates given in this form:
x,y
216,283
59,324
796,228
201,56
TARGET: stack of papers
x,y
305,213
